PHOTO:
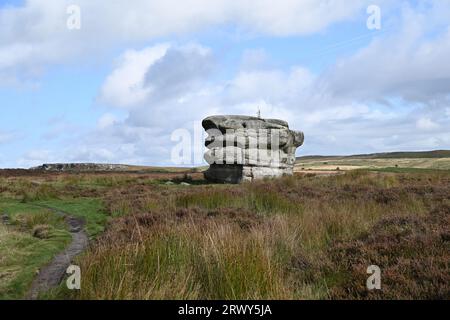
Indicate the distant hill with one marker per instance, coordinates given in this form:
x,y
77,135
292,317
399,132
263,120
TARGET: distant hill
x,y
102,167
386,155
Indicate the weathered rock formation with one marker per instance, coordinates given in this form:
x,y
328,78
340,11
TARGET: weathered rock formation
x,y
243,148
79,167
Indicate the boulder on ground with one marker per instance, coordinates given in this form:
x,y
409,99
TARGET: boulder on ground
x,y
243,148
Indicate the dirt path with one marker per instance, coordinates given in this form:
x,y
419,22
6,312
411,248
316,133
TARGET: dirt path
x,y
51,275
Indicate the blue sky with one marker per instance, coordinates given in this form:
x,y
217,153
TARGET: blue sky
x,y
117,88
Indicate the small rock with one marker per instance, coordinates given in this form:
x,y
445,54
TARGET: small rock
x,y
5,219
184,184
75,229
169,183
41,231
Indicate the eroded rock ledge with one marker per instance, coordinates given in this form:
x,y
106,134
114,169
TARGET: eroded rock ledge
x,y
80,167
243,148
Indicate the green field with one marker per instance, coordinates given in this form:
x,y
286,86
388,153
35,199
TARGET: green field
x,y
434,160
35,233
32,238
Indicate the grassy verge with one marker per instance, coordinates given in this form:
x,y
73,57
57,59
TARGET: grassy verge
x,y
35,233
301,237
90,209
30,240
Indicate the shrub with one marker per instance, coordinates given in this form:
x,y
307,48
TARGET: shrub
x,y
28,221
290,238
41,231
41,192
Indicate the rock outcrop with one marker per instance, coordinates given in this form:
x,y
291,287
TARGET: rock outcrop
x,y
243,148
80,167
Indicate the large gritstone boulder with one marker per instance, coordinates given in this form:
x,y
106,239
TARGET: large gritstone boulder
x,y
243,148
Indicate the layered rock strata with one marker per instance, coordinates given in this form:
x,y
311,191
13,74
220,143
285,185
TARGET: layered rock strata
x,y
243,148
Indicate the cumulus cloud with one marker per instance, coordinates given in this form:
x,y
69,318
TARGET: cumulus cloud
x,y
426,124
179,93
334,121
179,71
411,64
155,74
158,84
348,109
35,158
35,34
124,87
391,95
273,85
106,120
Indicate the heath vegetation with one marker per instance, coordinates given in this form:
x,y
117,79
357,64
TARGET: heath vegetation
x,y
300,237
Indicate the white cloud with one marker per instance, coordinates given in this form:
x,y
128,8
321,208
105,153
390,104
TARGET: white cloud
x,y
389,96
272,85
90,154
155,74
411,64
181,70
336,117
106,120
426,124
289,17
124,87
35,158
35,34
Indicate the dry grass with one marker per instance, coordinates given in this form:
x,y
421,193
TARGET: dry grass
x,y
278,239
31,241
301,237
412,252
358,163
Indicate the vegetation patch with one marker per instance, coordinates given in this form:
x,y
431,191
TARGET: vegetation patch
x,y
30,240
265,240
301,237
412,253
89,209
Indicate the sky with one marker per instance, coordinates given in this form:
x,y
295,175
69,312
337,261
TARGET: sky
x,y
113,81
